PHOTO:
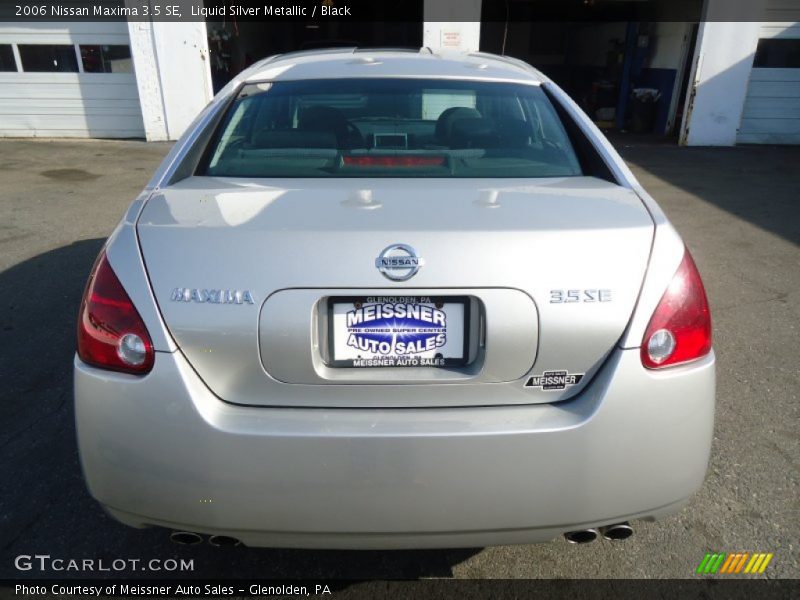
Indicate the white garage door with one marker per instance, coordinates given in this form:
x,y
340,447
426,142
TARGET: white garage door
x,y
772,108
68,80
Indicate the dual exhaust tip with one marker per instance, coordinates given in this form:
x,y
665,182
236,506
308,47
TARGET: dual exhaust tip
x,y
190,538
615,532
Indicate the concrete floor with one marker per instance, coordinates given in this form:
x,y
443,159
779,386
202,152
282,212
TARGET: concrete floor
x,y
739,211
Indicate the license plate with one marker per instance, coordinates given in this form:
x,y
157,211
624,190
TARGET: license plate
x,y
398,331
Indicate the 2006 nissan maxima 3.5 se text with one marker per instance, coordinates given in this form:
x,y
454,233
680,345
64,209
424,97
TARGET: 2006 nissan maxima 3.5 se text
x,y
386,299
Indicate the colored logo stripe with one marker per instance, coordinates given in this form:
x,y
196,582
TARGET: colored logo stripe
x,y
736,563
731,560
740,564
721,562
758,563
711,563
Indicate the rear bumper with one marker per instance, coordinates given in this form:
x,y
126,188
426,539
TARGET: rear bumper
x,y
162,450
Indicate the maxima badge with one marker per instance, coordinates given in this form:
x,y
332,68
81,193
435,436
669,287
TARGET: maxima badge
x,y
399,262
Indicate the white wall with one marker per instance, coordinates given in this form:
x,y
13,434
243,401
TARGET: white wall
x,y
68,104
772,107
720,73
719,84
672,41
668,40
172,73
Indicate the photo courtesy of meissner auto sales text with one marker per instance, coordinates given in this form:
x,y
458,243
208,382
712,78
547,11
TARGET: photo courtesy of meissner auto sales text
x,y
429,298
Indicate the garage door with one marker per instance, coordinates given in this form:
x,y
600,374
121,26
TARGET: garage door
x,y
772,108
68,80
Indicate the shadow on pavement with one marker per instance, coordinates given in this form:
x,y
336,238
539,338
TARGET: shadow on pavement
x,y
45,508
757,184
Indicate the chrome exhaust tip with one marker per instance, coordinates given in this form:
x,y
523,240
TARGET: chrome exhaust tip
x,y
223,541
581,536
185,538
617,531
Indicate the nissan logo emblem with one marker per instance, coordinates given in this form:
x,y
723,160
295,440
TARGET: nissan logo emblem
x,y
399,262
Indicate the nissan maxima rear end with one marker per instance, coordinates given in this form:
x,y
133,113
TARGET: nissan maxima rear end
x,y
391,300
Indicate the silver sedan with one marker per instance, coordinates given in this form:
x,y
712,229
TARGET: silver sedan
x,y
387,300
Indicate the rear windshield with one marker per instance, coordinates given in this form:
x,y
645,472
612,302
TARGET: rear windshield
x,y
390,128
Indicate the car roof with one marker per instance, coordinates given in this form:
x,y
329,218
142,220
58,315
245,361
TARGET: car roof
x,y
341,63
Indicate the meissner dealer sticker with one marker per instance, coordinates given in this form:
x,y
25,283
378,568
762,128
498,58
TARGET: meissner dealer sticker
x,y
554,380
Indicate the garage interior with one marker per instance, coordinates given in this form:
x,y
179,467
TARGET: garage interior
x,y
121,79
628,76
598,64
234,46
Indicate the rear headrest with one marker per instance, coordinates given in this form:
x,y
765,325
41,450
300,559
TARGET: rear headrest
x,y
473,133
444,124
293,138
323,118
490,133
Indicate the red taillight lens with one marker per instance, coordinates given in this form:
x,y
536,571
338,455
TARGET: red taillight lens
x,y
680,328
111,334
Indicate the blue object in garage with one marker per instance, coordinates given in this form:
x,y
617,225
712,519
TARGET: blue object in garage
x,y
664,81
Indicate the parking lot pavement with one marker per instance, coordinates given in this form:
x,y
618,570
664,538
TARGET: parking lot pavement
x,y
739,211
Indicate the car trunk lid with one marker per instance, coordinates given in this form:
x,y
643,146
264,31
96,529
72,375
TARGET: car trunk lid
x,y
245,272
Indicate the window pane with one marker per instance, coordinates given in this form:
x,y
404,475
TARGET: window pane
x,y
7,58
48,58
106,59
778,54
390,128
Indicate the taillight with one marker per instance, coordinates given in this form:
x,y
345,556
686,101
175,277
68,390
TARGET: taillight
x,y
111,334
680,328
